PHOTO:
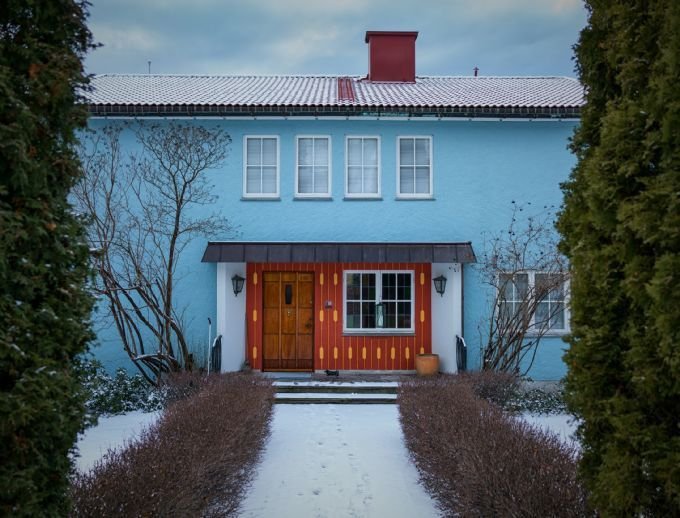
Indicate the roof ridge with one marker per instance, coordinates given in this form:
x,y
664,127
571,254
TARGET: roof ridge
x,y
333,76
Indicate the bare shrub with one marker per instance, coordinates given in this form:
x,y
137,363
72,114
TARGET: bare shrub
x,y
497,387
479,461
195,461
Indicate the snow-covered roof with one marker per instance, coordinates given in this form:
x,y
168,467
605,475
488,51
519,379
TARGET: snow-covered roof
x,y
143,93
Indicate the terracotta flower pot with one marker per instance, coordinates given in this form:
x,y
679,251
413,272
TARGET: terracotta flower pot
x,y
427,364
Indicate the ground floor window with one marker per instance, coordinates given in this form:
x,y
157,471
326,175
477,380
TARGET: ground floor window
x,y
539,297
378,301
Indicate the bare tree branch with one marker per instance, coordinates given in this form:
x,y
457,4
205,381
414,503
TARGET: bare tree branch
x,y
141,220
517,323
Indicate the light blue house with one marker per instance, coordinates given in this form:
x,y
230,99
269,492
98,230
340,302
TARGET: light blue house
x,y
354,197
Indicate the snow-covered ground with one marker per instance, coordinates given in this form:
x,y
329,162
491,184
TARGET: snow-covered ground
x,y
336,461
564,425
320,461
110,433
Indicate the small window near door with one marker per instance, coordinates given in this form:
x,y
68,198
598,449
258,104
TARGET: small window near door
x,y
365,290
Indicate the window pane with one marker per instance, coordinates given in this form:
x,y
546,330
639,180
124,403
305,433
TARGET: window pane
x,y
390,315
353,286
354,182
406,180
252,179
389,286
269,151
557,317
371,180
370,152
354,151
321,151
368,286
423,151
321,179
403,315
353,315
521,282
305,184
253,151
406,156
542,315
404,284
368,315
305,151
269,180
423,180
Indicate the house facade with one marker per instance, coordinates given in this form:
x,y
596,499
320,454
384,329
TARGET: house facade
x,y
351,196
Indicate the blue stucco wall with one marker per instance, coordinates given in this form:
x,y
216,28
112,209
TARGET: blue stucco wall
x,y
479,167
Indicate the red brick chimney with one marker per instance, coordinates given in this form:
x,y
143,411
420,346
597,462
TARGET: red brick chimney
x,y
391,56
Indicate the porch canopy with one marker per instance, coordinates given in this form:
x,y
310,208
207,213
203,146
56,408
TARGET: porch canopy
x,y
277,252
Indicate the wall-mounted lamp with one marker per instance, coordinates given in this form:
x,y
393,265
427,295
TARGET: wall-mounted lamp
x,y
237,283
380,315
440,285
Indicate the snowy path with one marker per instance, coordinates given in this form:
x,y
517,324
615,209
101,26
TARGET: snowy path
x,y
336,461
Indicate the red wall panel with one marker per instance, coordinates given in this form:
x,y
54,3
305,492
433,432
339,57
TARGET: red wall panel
x,y
332,348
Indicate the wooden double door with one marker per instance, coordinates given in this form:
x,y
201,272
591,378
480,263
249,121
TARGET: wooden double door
x,y
288,321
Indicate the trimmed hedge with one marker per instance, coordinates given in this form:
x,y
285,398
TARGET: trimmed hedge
x,y
480,461
195,461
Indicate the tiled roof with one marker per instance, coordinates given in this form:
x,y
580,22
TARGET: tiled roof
x,y
323,91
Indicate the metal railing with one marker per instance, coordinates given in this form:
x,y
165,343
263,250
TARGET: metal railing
x,y
461,354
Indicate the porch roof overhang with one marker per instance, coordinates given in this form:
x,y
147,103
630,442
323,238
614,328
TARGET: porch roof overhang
x,y
326,252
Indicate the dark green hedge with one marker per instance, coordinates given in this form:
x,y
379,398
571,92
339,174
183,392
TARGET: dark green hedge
x,y
44,309
621,228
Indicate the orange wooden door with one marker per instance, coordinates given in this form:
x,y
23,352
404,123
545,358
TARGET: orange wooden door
x,y
288,321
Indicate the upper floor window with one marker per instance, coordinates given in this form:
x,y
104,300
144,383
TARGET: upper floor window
x,y
363,167
540,298
313,171
414,167
379,301
261,167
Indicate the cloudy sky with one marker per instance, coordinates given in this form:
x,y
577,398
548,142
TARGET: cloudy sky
x,y
501,37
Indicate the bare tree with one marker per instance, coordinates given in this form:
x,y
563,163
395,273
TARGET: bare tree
x,y
528,278
144,210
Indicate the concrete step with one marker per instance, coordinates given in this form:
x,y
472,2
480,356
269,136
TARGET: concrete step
x,y
318,398
337,392
294,388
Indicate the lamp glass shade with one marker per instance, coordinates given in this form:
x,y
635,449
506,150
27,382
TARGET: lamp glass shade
x,y
380,315
237,283
440,284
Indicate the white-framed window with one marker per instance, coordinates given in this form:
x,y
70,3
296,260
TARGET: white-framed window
x,y
365,290
313,166
261,166
544,295
414,167
362,169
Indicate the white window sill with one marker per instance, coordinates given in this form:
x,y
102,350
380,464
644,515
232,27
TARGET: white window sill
x,y
318,197
261,198
429,197
550,334
385,332
362,198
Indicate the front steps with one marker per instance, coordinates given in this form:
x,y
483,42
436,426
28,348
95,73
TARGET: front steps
x,y
337,392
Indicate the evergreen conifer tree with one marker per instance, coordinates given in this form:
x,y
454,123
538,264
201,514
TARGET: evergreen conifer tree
x,y
44,306
621,232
